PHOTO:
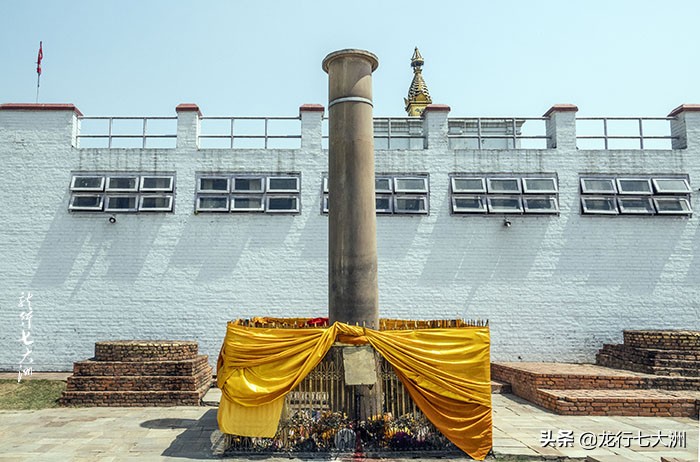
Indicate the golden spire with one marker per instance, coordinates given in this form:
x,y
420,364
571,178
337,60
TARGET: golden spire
x,y
418,96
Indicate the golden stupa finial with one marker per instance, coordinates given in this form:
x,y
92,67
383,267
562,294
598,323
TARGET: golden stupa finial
x,y
418,96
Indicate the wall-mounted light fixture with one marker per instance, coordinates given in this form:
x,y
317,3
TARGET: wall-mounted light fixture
x,y
507,223
112,219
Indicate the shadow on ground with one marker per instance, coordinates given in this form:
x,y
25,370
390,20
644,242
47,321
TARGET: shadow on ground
x,y
195,441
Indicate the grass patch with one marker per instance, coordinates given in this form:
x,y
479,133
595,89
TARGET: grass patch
x,y
30,393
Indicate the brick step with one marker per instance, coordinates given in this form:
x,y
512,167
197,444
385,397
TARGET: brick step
x,y
525,377
652,403
133,398
663,339
658,367
91,367
145,350
139,383
648,355
499,388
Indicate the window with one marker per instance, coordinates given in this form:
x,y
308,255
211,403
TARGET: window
x,y
504,194
121,192
248,193
635,195
395,194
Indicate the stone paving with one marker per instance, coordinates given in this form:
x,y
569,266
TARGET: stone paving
x,y
184,433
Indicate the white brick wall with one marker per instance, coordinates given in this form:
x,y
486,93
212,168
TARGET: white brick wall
x,y
554,288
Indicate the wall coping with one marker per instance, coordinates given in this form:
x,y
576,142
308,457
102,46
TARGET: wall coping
x,y
437,108
40,107
561,108
684,108
312,108
188,107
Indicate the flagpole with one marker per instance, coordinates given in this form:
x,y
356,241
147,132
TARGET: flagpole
x,y
38,77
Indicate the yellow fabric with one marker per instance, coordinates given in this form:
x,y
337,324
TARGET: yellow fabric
x,y
260,421
445,370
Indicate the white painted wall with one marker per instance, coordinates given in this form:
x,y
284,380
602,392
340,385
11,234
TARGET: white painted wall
x,y
554,288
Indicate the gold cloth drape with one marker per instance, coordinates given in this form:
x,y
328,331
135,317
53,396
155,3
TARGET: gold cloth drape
x,y
445,370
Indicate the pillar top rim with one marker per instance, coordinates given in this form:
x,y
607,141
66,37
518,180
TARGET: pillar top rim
x,y
371,57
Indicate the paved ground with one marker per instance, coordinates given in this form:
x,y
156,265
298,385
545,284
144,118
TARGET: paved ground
x,y
184,433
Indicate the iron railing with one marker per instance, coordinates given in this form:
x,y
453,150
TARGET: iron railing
x,y
392,133
266,136
486,128
640,135
144,135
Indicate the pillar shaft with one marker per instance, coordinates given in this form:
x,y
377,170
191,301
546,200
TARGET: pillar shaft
x,y
352,222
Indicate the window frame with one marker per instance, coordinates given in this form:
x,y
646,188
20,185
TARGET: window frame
x,y
135,188
199,208
481,198
552,199
553,190
74,177
109,197
491,190
680,199
233,198
505,196
585,190
213,191
456,190
619,181
586,211
420,197
75,208
171,182
282,196
270,190
169,208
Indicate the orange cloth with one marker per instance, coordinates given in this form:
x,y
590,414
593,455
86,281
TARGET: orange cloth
x,y
445,370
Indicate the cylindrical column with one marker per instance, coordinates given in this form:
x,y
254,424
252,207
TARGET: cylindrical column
x,y
352,221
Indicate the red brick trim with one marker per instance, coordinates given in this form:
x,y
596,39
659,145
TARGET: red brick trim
x,y
685,108
188,107
312,108
40,107
437,108
561,108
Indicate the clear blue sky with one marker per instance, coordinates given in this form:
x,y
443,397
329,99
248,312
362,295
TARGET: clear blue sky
x,y
237,58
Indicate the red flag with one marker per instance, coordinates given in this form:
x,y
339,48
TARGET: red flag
x,y
38,60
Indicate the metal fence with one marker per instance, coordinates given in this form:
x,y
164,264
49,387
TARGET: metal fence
x,y
314,420
391,133
497,133
617,132
250,132
133,131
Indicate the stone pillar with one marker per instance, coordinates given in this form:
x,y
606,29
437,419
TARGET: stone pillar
x,y
352,221
685,127
188,115
435,128
57,123
561,126
311,134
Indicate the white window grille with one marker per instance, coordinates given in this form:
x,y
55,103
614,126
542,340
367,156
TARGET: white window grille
x,y
396,194
273,193
635,195
530,193
121,192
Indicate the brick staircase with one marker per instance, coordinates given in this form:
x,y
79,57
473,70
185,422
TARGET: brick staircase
x,y
655,373
140,373
671,353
